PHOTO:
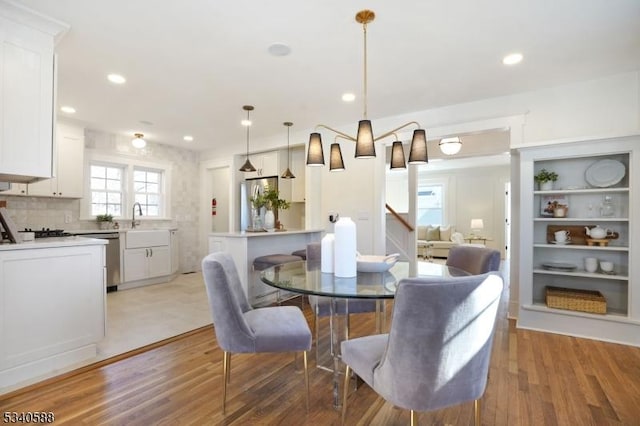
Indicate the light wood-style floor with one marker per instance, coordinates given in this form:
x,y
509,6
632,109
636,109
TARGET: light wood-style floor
x,y
535,379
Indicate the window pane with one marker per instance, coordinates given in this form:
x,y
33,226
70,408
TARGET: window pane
x,y
139,186
97,209
141,198
153,200
113,198
153,177
114,210
152,188
97,171
97,183
114,185
114,173
430,204
153,211
98,197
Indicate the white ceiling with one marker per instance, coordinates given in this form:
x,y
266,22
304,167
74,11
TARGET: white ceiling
x,y
191,65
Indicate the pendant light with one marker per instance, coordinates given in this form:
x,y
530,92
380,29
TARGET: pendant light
x,y
138,142
364,138
247,166
287,173
450,146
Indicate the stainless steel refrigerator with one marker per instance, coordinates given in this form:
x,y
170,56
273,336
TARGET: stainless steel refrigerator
x,y
249,189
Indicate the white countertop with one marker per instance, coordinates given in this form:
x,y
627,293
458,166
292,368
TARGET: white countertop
x,y
41,243
244,234
120,230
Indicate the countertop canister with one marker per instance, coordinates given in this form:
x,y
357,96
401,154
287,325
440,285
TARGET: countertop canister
x,y
326,253
345,252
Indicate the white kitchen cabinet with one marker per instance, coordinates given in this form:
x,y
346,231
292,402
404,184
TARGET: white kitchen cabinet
x,y
544,262
68,181
27,93
52,301
265,163
298,169
16,189
146,257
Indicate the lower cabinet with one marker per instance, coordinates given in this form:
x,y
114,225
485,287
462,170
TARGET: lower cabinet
x,y
149,262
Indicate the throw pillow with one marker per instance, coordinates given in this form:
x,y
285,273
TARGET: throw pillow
x,y
422,232
457,238
433,234
445,233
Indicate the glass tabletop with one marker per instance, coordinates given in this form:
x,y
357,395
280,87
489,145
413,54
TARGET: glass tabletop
x,y
306,278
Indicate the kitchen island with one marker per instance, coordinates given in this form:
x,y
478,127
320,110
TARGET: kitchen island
x,y
52,306
244,247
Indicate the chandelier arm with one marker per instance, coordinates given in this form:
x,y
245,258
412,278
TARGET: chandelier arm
x,y
344,135
389,133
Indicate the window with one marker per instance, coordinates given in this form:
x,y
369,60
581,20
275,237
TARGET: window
x,y
147,186
430,205
115,183
106,190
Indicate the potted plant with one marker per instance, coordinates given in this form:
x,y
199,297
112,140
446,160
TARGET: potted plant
x,y
104,220
273,203
545,179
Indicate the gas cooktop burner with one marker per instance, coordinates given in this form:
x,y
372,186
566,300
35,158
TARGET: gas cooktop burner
x,y
46,233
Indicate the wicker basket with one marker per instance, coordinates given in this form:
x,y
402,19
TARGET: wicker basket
x,y
576,300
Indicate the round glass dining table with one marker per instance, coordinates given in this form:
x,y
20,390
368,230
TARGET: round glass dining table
x,y
305,277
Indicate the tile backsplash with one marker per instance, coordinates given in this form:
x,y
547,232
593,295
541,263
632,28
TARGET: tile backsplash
x,y
60,213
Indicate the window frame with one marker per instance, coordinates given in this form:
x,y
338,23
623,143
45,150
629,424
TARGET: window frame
x,y
128,194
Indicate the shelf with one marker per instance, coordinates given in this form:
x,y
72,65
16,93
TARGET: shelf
x,y
581,219
581,247
611,315
584,274
582,191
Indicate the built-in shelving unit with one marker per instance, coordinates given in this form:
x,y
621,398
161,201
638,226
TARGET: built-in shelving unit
x,y
574,163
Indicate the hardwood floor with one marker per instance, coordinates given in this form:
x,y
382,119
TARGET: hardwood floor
x,y
535,379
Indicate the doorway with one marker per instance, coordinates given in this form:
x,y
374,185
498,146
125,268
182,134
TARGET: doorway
x,y
219,199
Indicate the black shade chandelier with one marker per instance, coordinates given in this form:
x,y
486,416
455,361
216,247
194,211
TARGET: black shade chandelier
x,y
364,139
287,173
247,166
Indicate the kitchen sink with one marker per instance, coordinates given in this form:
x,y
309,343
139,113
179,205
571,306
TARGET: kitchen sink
x,y
146,238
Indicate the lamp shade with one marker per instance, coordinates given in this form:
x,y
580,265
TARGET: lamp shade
x,y
336,164
138,142
450,146
477,224
364,140
397,156
288,174
247,166
418,153
315,155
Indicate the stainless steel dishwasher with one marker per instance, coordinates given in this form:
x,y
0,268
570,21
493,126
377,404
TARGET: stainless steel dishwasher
x,y
112,258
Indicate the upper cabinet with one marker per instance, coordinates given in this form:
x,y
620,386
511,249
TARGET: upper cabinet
x,y
68,166
26,93
265,163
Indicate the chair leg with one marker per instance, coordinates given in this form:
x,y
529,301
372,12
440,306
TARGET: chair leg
x,y
306,377
476,412
345,392
414,418
226,361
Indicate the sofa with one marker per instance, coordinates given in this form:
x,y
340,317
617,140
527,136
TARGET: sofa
x,y
435,241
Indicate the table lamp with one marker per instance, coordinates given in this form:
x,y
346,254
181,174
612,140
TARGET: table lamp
x,y
476,227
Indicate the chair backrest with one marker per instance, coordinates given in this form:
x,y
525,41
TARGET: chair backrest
x,y
314,251
475,260
228,303
440,341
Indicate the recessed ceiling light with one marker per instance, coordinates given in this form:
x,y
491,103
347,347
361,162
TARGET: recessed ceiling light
x,y
512,59
68,109
146,122
188,138
246,122
279,49
116,78
348,97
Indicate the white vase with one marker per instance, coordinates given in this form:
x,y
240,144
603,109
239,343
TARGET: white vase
x,y
344,251
326,253
546,186
269,220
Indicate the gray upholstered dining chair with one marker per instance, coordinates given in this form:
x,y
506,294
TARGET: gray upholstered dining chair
x,y
438,349
473,259
241,329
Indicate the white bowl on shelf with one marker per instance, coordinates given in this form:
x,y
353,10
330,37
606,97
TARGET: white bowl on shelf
x,y
372,263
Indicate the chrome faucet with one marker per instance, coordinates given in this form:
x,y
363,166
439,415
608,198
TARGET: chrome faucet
x,y
133,218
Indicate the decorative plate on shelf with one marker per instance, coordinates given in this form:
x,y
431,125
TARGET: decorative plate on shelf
x,y
604,173
559,266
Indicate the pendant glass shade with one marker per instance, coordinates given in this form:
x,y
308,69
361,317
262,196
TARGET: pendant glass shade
x,y
450,146
364,140
247,166
287,174
336,164
397,156
315,156
418,153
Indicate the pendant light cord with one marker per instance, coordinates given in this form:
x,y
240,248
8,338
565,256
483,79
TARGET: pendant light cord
x,y
248,134
364,28
288,152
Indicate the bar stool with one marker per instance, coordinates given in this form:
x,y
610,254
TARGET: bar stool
x,y
261,263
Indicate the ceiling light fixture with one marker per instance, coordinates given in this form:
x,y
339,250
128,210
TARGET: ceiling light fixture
x,y
138,142
348,97
247,166
512,59
365,140
450,146
287,173
116,78
187,138
68,109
